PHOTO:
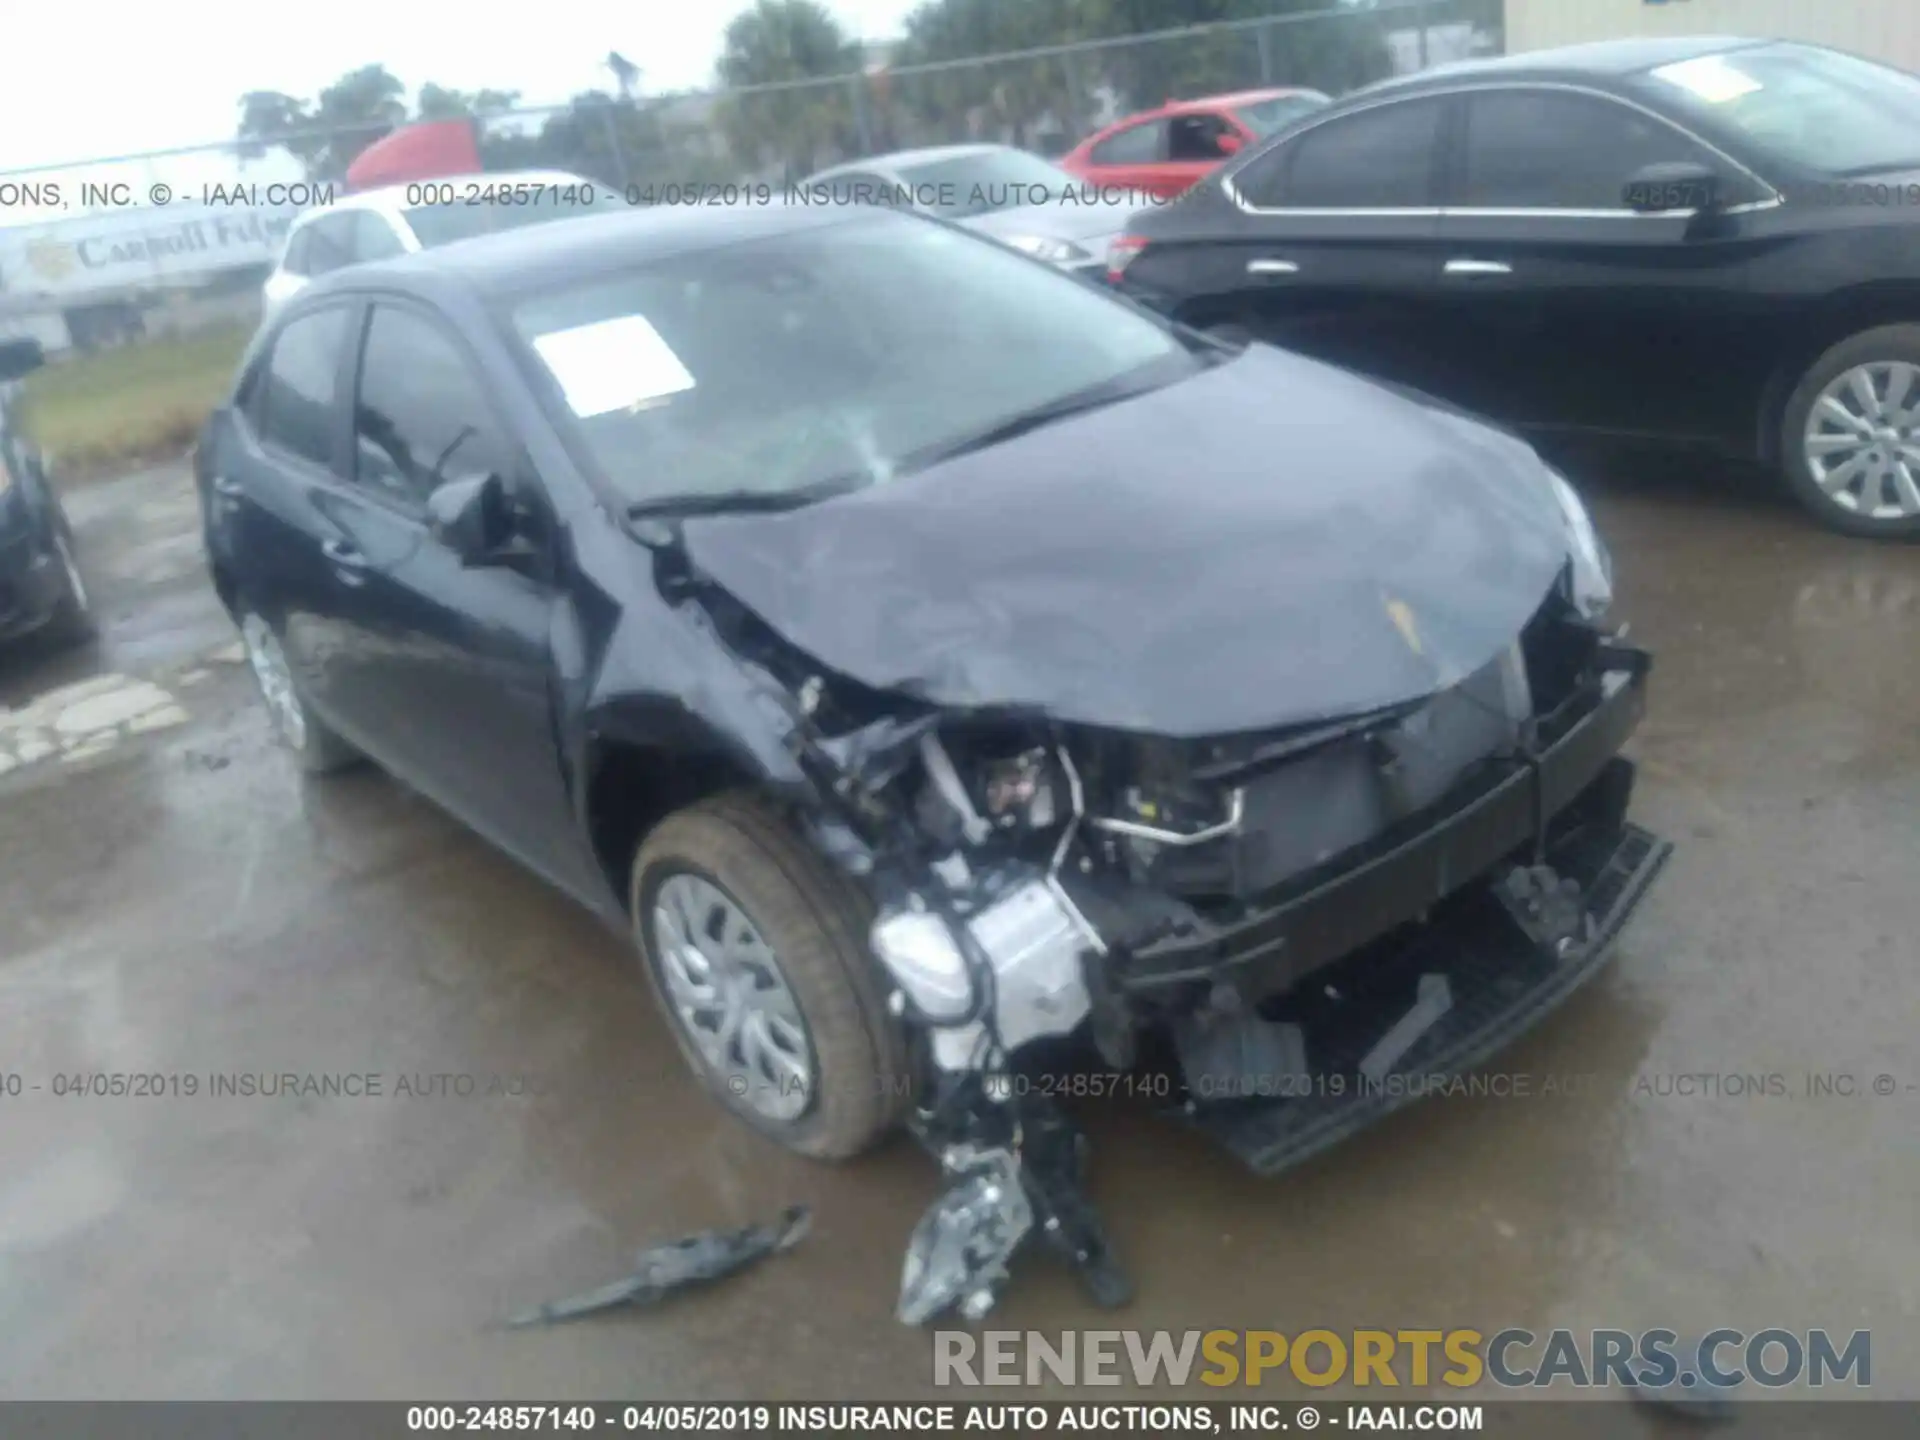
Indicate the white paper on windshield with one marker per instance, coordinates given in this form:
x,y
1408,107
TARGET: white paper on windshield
x,y
612,365
1711,78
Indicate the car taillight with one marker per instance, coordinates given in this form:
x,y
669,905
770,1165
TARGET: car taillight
x,y
1121,251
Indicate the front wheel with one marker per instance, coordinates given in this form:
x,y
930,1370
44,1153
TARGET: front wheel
x,y
1851,435
316,747
757,950
72,622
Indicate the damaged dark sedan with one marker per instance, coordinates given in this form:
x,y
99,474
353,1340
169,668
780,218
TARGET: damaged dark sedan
x,y
932,661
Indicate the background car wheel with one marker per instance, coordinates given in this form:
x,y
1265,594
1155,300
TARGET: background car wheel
x,y
757,950
1851,436
72,623
317,748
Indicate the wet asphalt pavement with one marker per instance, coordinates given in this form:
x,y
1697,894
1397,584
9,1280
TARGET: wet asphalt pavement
x,y
175,902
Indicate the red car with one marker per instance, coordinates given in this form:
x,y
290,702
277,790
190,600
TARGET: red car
x,y
1164,151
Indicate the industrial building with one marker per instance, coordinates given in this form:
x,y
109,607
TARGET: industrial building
x,y
1883,30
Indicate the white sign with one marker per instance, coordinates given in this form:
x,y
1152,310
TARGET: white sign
x,y
148,246
612,365
1711,78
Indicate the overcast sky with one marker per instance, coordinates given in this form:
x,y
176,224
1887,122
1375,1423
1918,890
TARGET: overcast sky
x,y
85,81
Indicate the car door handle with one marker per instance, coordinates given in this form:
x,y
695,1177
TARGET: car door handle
x,y
1478,267
227,488
1272,267
347,560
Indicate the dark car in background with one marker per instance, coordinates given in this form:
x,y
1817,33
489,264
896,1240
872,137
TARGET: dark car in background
x,y
1707,241
923,654
41,587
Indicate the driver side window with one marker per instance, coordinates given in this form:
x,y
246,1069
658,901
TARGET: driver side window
x,y
420,416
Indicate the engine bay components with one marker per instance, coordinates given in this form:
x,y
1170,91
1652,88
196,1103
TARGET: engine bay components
x,y
1035,881
1032,949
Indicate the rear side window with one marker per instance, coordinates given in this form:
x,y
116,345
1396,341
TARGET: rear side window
x,y
291,401
329,242
373,238
294,262
1136,145
421,417
1548,150
1380,158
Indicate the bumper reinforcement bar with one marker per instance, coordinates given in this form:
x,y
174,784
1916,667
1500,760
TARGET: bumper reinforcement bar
x,y
1500,985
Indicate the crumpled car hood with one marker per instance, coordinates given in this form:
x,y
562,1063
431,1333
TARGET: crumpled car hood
x,y
1270,542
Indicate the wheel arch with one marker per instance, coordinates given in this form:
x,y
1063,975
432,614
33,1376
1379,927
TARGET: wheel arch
x,y
1836,317
639,764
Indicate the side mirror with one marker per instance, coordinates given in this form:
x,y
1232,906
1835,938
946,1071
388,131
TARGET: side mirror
x,y
1679,185
1230,144
475,517
20,357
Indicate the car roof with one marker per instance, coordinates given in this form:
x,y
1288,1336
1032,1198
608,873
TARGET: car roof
x,y
391,199
1235,98
1595,59
535,257
1228,100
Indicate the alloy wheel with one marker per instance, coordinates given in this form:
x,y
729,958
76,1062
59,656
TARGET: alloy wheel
x,y
76,585
270,670
1862,442
731,998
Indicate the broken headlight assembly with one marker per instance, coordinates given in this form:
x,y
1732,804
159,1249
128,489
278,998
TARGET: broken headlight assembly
x,y
1590,580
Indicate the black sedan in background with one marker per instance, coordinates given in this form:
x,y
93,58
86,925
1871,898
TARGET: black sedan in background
x,y
922,653
1698,240
41,588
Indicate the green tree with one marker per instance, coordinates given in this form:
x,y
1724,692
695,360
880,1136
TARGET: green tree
x,y
797,127
1007,100
266,115
353,112
437,102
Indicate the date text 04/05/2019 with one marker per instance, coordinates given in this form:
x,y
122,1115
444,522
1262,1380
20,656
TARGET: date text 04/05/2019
x,y
921,1418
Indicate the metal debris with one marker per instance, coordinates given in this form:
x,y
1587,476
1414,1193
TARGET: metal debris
x,y
679,1265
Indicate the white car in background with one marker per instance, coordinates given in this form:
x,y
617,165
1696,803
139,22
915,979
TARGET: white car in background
x,y
400,219
1012,195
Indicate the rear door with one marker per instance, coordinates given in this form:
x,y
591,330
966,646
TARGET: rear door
x,y
1567,310
1327,243
1133,158
270,488
451,662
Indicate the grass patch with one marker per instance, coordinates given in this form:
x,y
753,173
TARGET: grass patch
x,y
144,401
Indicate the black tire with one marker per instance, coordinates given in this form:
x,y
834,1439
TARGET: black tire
x,y
314,745
1884,343
816,921
71,624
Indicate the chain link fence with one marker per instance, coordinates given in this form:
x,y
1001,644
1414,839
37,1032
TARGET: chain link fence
x,y
146,268
1045,99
